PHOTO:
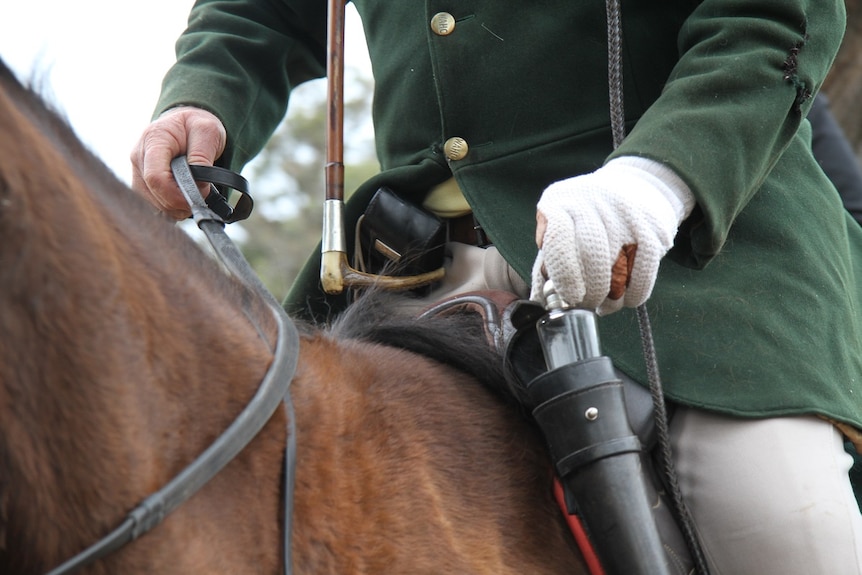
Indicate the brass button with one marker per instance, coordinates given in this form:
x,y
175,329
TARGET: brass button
x,y
443,23
455,148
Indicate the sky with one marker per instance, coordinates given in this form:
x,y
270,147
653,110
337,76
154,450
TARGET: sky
x,y
101,62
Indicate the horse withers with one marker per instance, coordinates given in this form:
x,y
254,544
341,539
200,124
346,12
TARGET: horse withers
x,y
126,351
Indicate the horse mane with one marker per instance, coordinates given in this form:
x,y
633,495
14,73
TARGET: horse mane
x,y
458,340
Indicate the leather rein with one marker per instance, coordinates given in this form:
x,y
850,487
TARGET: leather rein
x,y
273,390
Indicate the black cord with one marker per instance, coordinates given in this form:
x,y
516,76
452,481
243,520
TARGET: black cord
x,y
618,128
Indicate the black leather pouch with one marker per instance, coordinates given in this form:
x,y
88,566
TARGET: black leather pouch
x,y
397,237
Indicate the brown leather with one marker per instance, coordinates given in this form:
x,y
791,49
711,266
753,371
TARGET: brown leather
x,y
466,230
850,432
621,273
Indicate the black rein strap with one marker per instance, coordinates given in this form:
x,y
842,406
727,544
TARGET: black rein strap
x,y
274,389
217,200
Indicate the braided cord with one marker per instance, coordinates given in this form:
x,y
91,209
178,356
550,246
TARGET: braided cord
x,y
665,454
615,72
618,129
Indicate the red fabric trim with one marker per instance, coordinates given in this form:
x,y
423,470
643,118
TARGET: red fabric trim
x,y
578,531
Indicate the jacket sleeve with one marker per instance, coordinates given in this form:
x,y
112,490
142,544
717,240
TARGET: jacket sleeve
x,y
745,79
239,59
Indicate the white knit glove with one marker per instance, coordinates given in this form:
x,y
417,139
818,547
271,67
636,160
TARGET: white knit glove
x,y
590,218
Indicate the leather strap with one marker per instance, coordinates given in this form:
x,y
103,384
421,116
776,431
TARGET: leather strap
x,y
467,230
218,201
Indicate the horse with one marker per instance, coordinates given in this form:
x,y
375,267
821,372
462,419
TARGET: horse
x,y
126,349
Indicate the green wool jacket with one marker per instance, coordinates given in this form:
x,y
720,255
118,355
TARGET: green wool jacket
x,y
756,310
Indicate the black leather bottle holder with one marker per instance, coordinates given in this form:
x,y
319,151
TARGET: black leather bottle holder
x,y
400,237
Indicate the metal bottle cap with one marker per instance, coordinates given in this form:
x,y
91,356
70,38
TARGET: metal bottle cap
x,y
551,297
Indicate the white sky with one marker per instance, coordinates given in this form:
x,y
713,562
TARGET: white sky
x,y
101,62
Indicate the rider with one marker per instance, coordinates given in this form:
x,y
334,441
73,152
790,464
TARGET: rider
x,y
744,250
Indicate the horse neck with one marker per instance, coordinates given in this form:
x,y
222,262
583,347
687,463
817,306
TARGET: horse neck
x,y
122,358
409,466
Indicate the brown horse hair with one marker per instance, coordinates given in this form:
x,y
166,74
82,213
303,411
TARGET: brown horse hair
x,y
125,351
112,364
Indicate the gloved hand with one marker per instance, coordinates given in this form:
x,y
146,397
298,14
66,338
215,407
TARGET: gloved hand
x,y
624,214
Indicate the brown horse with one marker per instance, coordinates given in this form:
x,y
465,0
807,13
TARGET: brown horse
x,y
126,350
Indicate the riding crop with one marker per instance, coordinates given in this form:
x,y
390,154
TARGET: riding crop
x,y
335,271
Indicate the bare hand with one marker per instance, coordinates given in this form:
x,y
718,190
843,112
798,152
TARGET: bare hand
x,y
186,130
